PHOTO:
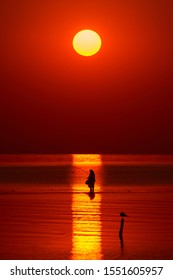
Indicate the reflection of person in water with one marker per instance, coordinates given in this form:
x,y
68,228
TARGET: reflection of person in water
x,y
91,181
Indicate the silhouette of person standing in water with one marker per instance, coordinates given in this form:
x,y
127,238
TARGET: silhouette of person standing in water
x,y
91,181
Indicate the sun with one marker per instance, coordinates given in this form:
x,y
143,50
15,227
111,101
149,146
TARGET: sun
x,y
87,42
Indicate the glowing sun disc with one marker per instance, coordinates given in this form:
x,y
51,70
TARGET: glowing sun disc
x,y
87,42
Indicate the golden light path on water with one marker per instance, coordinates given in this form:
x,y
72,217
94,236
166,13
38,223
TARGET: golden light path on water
x,y
86,210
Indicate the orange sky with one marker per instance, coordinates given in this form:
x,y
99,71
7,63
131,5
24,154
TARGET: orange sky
x,y
55,101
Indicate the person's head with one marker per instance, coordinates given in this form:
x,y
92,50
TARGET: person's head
x,y
91,171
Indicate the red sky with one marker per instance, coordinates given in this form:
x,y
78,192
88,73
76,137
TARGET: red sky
x,y
55,101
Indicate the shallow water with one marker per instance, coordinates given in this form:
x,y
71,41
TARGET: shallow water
x,y
46,211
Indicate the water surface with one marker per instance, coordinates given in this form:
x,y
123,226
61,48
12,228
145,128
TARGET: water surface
x,y
46,211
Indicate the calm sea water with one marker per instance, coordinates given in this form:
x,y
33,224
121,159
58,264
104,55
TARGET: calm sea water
x,y
47,213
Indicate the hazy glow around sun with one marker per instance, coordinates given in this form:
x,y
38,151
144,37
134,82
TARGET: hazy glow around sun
x,y
87,42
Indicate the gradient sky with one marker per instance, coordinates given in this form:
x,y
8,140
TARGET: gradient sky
x,y
55,101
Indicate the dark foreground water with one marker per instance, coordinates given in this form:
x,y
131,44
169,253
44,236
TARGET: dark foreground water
x,y
46,211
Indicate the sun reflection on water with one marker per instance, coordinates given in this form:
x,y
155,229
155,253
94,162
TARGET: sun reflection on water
x,y
86,210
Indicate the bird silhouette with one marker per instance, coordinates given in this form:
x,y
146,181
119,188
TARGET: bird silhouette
x,y
122,214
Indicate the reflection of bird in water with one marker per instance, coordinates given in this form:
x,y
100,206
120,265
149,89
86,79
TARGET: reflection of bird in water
x,y
122,214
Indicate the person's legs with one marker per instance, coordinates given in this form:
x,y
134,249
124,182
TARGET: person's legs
x,y
92,188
